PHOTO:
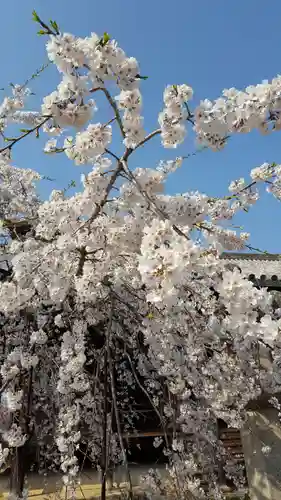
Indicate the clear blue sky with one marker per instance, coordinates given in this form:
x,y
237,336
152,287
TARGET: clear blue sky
x,y
211,45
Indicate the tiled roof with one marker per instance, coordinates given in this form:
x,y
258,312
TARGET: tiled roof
x,y
265,267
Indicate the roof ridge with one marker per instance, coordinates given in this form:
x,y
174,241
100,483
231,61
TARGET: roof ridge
x,y
250,256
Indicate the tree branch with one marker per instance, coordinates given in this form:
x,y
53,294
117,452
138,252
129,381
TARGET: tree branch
x,y
100,205
28,132
81,262
5,385
112,154
150,200
147,138
113,105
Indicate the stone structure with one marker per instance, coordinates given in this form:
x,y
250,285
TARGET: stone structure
x,y
264,269
261,439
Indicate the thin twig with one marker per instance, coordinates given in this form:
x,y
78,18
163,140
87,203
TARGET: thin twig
x,y
146,139
109,122
81,489
36,74
46,27
28,132
112,154
148,397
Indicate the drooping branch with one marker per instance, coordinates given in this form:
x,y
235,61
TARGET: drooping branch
x,y
148,397
118,423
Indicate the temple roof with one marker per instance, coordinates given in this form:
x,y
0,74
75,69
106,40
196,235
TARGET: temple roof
x,y
264,267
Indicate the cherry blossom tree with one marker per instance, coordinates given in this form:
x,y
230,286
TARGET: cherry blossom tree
x,y
121,285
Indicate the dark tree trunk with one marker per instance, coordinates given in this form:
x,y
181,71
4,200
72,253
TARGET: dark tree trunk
x,y
20,461
18,471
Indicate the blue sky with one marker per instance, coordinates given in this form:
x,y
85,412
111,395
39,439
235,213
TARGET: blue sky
x,y
210,45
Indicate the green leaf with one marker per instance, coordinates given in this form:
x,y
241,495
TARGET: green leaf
x,y
35,16
24,130
54,25
106,38
42,32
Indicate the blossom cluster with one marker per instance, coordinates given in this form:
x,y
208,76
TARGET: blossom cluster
x,y
71,381
175,113
256,107
4,452
129,101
